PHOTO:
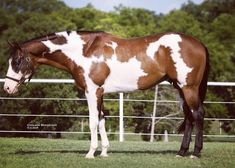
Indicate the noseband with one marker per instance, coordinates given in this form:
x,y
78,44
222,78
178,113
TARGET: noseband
x,y
20,81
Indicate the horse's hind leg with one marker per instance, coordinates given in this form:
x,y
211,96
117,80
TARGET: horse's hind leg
x,y
192,99
199,119
187,128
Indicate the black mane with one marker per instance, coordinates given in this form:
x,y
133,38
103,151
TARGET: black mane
x,y
49,36
52,36
89,32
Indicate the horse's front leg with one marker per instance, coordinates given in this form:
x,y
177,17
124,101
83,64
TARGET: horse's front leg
x,y
93,122
104,138
102,130
96,119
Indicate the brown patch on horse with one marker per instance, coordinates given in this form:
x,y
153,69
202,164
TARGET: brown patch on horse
x,y
99,72
94,43
155,69
108,51
129,49
79,78
100,107
170,68
123,52
60,40
93,46
196,59
36,48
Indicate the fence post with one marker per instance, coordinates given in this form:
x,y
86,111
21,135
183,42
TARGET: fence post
x,y
154,114
220,127
166,139
121,125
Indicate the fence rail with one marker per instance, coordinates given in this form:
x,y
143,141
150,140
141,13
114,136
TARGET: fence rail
x,y
121,115
56,81
113,116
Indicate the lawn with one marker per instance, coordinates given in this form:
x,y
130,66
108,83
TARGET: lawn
x,y
55,153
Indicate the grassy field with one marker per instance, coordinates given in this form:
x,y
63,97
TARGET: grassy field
x,y
54,153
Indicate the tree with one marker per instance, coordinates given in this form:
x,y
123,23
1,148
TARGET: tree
x,y
212,22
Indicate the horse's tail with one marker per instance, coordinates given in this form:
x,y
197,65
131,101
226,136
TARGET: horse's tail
x,y
202,91
203,84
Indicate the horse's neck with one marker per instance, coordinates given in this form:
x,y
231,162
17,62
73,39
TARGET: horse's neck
x,y
64,51
42,55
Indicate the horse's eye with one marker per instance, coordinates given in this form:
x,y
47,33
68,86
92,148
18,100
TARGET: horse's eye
x,y
18,61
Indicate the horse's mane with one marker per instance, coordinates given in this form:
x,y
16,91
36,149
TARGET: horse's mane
x,y
89,32
52,36
49,36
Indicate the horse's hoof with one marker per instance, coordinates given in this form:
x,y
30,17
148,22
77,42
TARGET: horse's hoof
x,y
104,155
194,157
89,156
178,156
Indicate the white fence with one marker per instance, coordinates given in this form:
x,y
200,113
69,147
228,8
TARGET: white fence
x,y
121,115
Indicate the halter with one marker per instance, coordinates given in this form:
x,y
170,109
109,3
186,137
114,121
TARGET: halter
x,y
22,80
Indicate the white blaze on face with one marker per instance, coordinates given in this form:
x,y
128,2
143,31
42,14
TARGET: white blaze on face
x,y
172,41
11,86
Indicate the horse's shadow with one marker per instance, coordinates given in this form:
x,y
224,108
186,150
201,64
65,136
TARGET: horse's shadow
x,y
83,152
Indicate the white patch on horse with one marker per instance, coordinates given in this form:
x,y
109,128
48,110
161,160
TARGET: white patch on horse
x,y
73,49
12,73
113,45
172,41
123,76
10,85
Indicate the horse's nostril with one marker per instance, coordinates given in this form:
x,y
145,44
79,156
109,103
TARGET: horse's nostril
x,y
8,88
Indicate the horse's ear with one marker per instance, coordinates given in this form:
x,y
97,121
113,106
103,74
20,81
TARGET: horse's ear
x,y
18,46
12,45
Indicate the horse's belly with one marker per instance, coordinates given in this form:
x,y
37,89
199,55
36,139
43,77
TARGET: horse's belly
x,y
121,82
124,76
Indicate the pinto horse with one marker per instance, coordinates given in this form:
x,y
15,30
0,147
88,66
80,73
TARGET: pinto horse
x,y
102,63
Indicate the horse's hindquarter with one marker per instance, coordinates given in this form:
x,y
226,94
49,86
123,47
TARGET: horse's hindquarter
x,y
194,55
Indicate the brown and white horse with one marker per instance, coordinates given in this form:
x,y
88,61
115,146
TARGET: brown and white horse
x,y
102,63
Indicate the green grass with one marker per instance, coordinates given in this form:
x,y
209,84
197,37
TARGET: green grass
x,y
55,153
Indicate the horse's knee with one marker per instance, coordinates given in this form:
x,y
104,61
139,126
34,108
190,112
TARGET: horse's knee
x,y
93,125
102,124
198,115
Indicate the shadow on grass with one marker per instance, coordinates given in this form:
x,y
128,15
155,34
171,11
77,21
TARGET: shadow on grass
x,y
22,152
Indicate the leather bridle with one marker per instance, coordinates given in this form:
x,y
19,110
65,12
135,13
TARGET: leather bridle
x,y
29,68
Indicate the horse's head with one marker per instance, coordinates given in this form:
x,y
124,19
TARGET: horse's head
x,y
21,67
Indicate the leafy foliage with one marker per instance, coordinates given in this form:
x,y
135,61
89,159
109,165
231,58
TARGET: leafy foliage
x,y
212,22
